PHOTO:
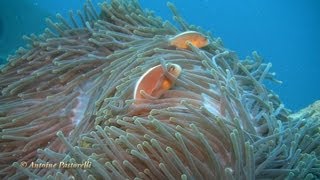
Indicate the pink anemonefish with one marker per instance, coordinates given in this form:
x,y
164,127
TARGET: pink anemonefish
x,y
154,82
195,38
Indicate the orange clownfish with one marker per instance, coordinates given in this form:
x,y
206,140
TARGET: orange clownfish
x,y
154,82
195,38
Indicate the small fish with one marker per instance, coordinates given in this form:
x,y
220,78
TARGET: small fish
x,y
195,38
154,82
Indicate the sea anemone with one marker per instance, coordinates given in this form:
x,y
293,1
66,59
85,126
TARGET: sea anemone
x,y
68,98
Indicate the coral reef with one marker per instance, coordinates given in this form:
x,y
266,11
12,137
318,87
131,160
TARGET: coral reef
x,y
312,111
68,98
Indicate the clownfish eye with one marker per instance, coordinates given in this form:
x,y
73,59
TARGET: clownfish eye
x,y
171,68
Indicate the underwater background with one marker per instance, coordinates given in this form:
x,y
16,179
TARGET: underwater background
x,y
285,33
73,94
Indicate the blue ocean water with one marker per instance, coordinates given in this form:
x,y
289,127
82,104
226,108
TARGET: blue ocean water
x,y
286,33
